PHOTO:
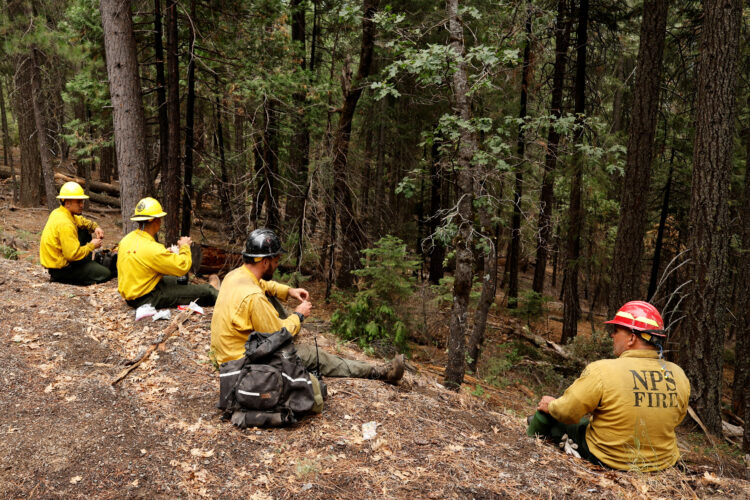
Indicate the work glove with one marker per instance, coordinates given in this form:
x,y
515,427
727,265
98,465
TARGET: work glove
x,y
569,447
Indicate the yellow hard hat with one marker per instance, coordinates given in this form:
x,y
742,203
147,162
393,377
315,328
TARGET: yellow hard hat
x,y
147,209
72,191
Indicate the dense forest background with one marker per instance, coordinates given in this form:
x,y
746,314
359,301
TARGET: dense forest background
x,y
600,146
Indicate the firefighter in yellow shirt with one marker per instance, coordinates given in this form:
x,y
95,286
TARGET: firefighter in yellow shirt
x,y
147,271
248,301
636,400
66,244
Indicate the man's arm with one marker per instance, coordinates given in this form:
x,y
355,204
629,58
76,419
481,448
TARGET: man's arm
x,y
580,398
163,261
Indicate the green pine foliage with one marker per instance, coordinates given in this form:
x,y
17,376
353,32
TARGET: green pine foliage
x,y
377,314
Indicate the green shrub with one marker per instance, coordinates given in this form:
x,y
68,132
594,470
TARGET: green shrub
x,y
8,252
377,313
596,346
532,305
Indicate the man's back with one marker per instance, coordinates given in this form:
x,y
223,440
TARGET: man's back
x,y
637,401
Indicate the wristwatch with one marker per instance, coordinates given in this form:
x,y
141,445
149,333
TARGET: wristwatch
x,y
300,316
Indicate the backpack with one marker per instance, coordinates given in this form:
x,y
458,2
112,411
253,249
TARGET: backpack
x,y
269,386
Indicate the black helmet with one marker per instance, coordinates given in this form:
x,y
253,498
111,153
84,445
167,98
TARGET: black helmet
x,y
263,243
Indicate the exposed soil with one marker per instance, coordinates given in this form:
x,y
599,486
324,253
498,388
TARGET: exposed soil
x,y
65,431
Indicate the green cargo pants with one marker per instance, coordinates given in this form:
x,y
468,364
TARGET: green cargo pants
x,y
330,365
548,427
82,272
169,293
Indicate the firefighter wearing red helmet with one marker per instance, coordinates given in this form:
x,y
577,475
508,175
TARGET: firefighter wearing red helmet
x,y
635,400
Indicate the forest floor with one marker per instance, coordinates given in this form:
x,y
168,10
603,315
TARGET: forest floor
x,y
66,431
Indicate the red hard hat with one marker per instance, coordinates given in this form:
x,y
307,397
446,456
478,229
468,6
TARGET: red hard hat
x,y
640,316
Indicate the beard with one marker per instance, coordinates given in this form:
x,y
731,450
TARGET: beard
x,y
268,275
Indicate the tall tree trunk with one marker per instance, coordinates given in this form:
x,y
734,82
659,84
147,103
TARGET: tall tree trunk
x,y
628,251
454,370
659,244
171,182
127,106
352,233
161,99
544,229
702,341
299,153
437,254
48,173
271,164
224,179
187,190
571,306
515,235
6,135
31,171
487,296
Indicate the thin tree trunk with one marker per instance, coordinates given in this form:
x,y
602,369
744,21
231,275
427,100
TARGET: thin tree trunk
x,y
224,179
544,230
187,190
659,244
515,234
161,97
489,279
6,135
571,306
48,173
702,342
171,182
454,370
437,254
628,250
127,106
352,233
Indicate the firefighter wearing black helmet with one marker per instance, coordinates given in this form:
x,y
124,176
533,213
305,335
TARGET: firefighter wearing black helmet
x,y
250,301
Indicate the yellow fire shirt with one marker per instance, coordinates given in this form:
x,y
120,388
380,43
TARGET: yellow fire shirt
x,y
141,263
59,244
241,308
635,405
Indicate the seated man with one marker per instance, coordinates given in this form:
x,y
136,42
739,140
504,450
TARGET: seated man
x,y
248,302
66,244
636,400
147,271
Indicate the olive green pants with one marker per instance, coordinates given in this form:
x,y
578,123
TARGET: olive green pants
x,y
543,424
169,293
318,361
82,272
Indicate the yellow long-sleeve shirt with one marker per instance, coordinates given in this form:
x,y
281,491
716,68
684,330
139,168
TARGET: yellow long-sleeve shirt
x,y
59,245
241,308
141,263
635,409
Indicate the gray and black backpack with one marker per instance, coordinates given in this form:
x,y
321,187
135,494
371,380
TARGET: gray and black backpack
x,y
269,386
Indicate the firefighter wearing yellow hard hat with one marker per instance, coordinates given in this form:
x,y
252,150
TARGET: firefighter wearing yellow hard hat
x,y
635,400
147,270
66,245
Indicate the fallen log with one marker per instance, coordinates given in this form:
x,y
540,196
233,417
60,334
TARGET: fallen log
x,y
93,185
158,343
215,260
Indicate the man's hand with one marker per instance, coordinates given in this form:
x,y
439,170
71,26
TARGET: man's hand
x,y
300,294
304,308
97,242
544,403
184,240
99,233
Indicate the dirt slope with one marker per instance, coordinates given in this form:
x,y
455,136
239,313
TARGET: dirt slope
x,y
66,432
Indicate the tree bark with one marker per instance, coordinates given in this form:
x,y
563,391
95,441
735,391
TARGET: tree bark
x,y
171,182
515,235
454,370
628,251
187,190
571,306
702,342
48,174
161,99
127,106
352,233
544,229
489,280
6,135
